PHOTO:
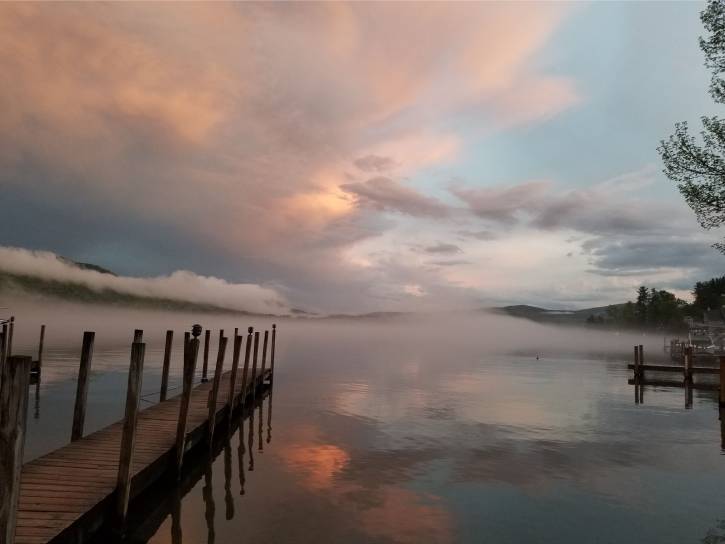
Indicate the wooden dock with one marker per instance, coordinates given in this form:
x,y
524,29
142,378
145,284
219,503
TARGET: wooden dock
x,y
687,370
678,369
85,486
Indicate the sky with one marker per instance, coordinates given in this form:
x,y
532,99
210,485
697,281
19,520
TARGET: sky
x,y
355,157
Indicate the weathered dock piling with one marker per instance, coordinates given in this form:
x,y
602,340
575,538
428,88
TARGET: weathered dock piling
x,y
3,347
637,370
254,360
245,371
722,381
69,494
84,372
235,368
11,332
274,339
13,418
128,437
41,341
205,367
191,350
214,393
165,366
688,366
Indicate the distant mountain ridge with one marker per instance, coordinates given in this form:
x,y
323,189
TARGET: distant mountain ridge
x,y
564,317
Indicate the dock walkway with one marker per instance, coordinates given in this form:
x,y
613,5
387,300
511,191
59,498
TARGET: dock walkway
x,y
69,492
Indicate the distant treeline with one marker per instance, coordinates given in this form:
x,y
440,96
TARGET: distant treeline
x,y
661,310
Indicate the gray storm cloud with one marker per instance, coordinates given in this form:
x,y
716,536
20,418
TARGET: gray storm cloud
x,y
383,193
180,285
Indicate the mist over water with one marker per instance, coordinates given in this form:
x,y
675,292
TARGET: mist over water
x,y
433,428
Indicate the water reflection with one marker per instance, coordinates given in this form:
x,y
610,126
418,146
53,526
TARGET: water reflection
x,y
36,404
250,441
163,502
240,455
176,534
210,507
413,442
269,417
260,439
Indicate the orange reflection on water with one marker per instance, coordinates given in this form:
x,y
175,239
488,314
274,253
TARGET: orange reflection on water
x,y
381,510
317,464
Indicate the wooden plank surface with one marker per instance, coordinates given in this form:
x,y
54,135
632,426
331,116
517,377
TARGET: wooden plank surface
x,y
61,488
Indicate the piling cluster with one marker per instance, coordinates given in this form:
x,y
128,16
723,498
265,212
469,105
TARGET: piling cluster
x,y
688,369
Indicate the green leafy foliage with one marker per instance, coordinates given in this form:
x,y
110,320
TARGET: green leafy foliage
x,y
708,295
698,168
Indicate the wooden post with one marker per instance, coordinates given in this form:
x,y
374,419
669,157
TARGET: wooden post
x,y
13,419
271,364
722,380
233,376
167,363
245,373
84,371
204,368
636,364
191,351
688,366
264,353
254,368
137,336
11,332
40,349
125,461
641,362
214,393
3,348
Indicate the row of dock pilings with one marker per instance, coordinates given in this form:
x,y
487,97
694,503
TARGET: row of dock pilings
x,y
15,378
688,369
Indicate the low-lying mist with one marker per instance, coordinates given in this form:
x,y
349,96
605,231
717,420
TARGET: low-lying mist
x,y
447,335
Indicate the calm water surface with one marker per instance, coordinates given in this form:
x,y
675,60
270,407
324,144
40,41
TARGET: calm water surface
x,y
378,435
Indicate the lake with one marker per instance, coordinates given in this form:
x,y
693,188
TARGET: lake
x,y
446,429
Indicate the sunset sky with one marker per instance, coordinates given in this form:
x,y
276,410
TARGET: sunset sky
x,y
358,157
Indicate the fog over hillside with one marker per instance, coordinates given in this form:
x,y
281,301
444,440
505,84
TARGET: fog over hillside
x,y
41,272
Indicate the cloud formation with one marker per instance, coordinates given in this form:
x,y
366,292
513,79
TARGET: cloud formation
x,y
305,146
374,163
442,247
385,194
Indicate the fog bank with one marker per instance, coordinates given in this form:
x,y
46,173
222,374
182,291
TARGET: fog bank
x,y
448,336
180,285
